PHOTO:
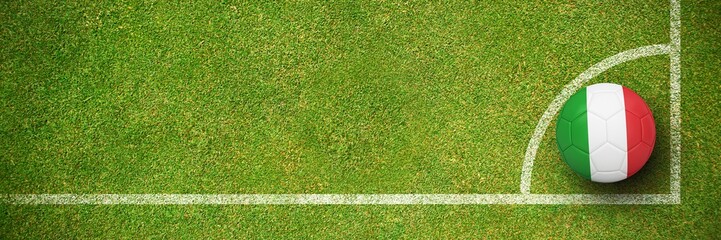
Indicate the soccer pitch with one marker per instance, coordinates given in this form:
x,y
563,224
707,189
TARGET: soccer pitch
x,y
251,118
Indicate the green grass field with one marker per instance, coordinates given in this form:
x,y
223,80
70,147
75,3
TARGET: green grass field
x,y
342,97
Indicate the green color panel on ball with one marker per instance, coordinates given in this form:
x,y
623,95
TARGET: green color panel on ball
x,y
576,155
563,134
575,106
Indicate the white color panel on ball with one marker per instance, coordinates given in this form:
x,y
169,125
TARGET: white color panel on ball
x,y
606,132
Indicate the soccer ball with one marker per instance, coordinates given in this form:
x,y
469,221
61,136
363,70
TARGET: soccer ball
x,y
605,132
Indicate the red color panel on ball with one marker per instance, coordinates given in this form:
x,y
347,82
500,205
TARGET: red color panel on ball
x,y
633,128
637,130
637,157
648,130
634,103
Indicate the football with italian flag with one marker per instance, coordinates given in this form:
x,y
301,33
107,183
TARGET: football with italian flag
x,y
605,132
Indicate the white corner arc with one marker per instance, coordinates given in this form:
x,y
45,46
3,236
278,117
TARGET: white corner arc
x,y
570,89
673,49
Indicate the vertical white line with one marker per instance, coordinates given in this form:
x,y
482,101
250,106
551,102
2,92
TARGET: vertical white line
x,y
326,199
675,67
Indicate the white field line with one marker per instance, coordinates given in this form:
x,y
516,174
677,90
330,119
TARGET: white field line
x,y
336,199
675,75
674,51
570,89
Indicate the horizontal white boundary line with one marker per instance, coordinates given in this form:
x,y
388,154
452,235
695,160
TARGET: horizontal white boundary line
x,y
334,199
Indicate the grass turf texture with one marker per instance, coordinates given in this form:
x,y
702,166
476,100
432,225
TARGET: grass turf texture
x,y
151,97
